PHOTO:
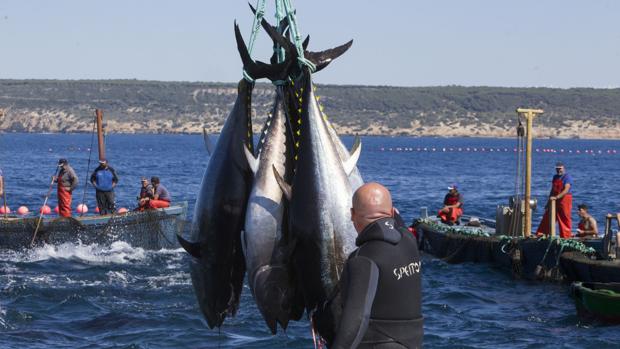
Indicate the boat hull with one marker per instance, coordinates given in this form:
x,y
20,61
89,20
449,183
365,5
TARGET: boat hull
x,y
150,229
531,259
598,301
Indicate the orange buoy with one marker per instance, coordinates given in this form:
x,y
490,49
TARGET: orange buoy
x,y
22,210
56,209
122,210
81,208
2,211
45,209
97,209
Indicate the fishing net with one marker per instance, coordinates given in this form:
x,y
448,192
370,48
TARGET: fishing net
x,y
150,229
526,258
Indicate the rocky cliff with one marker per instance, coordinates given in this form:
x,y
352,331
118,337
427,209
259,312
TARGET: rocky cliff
x,y
181,107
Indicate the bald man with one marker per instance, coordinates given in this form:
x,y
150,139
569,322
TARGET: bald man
x,y
381,282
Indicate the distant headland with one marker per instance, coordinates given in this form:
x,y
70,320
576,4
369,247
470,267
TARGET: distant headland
x,y
134,106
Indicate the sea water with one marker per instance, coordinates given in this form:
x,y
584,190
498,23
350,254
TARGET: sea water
x,y
120,296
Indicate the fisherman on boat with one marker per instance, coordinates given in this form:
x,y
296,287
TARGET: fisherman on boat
x,y
67,181
380,288
587,224
104,180
161,196
561,193
146,193
453,206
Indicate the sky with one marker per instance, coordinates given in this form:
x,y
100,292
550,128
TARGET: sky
x,y
524,43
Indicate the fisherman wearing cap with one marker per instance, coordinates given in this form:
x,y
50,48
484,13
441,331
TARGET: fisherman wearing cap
x,y
67,181
452,206
104,180
587,227
561,193
146,193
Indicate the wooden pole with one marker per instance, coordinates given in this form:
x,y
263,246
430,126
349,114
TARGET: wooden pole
x,y
100,141
529,115
552,213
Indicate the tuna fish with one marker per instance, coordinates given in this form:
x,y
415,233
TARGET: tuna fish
x,y
266,238
320,201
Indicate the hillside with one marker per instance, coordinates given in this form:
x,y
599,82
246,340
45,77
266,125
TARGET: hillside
x,y
133,106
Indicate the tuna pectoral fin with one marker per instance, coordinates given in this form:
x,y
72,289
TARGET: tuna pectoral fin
x,y
193,248
252,161
286,188
208,143
350,163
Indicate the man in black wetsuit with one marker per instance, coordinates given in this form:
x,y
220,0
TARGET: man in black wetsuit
x,y
381,283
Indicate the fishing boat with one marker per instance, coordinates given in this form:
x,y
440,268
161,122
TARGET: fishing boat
x,y
149,228
597,301
506,241
528,258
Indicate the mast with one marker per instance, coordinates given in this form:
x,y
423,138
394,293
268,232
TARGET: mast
x,y
100,141
529,115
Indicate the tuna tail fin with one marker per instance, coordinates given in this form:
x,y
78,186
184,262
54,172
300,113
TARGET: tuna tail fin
x,y
286,188
323,58
351,162
258,70
193,248
252,161
208,142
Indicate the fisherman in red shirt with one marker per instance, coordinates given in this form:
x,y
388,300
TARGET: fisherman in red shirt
x,y
561,192
453,206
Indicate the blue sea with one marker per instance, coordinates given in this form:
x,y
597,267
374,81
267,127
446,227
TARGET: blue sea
x,y
120,296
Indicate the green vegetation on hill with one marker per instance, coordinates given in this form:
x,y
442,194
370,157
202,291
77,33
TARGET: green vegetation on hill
x,y
357,107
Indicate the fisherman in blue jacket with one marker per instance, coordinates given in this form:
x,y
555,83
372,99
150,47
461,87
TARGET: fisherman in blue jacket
x,y
104,180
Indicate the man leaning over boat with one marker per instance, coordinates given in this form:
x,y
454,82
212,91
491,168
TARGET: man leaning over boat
x,y
67,181
161,197
587,227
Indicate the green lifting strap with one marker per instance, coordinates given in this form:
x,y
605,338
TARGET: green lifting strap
x,y
297,39
258,17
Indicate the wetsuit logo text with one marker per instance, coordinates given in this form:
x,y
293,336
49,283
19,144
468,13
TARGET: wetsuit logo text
x,y
407,270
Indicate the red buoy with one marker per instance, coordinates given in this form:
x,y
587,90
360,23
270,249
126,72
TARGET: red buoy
x,y
45,209
97,209
81,208
122,210
56,209
22,210
2,211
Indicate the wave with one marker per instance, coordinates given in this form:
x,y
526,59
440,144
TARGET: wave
x,y
119,252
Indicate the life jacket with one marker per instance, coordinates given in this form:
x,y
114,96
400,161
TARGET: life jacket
x,y
451,199
104,180
581,225
557,185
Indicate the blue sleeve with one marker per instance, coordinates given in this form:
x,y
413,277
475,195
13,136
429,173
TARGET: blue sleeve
x,y
568,180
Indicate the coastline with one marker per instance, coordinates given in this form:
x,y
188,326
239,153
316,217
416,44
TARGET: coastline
x,y
71,124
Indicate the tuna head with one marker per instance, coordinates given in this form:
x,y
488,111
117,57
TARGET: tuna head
x,y
320,201
218,267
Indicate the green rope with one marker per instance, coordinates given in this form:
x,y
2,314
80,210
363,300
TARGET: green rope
x,y
297,39
563,244
258,17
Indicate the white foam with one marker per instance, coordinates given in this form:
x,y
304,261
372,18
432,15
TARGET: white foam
x,y
118,252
